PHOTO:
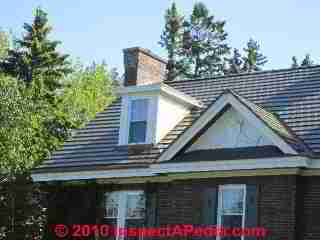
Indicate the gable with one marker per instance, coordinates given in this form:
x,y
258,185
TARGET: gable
x,y
231,130
268,124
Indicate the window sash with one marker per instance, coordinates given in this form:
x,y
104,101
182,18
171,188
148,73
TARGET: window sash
x,y
137,132
139,110
220,212
122,203
138,119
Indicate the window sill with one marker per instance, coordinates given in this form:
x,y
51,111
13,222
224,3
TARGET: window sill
x,y
134,147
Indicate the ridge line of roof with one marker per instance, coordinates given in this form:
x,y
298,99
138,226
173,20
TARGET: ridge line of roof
x,y
244,74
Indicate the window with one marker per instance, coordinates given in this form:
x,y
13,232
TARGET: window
x,y
138,121
231,208
125,209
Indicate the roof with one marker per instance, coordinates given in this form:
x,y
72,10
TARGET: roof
x,y
288,96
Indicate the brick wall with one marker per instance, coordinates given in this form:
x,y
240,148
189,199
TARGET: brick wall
x,y
308,208
276,202
177,201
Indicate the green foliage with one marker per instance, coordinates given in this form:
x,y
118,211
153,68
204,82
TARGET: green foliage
x,y
196,46
90,91
39,107
22,209
253,59
36,55
23,138
307,61
171,38
294,62
205,46
115,77
235,63
4,44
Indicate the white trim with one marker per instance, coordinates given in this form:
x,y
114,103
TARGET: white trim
x,y
122,208
125,119
160,168
215,109
220,201
314,163
85,175
160,88
147,120
226,165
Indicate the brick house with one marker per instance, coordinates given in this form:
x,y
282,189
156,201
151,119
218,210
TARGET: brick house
x,y
231,151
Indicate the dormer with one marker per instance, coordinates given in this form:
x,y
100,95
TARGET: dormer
x,y
149,108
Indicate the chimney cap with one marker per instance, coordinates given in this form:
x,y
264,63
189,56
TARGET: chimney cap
x,y
145,51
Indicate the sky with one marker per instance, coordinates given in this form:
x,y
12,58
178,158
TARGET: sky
x,y
98,30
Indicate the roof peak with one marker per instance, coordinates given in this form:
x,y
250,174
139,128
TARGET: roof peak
x,y
247,73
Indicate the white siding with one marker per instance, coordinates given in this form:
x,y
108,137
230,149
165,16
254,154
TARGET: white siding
x,y
170,113
231,130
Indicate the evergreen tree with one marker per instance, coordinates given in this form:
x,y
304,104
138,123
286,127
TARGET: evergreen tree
x,y
37,55
234,63
254,59
196,46
204,43
307,61
294,62
171,40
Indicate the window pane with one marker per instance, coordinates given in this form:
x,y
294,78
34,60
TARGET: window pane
x,y
232,201
112,205
135,206
233,221
139,110
134,223
137,132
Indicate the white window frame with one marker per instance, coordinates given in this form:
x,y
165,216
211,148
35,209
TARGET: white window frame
x,y
131,99
126,115
122,209
220,201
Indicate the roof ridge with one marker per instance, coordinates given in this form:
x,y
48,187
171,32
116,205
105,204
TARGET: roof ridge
x,y
244,74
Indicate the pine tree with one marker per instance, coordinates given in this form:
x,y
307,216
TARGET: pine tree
x,y
204,45
307,61
254,59
294,62
171,40
37,55
234,63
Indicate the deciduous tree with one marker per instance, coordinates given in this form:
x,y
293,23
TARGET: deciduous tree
x,y
4,44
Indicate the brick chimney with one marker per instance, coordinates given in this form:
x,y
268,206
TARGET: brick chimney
x,y
142,67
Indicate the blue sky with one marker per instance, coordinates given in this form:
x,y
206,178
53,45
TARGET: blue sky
x,y
96,30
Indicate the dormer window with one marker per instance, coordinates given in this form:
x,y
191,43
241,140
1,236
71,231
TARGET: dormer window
x,y
138,121
149,108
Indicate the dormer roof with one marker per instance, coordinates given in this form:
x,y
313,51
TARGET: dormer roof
x,y
164,90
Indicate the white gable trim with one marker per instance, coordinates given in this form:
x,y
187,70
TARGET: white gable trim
x,y
215,109
163,168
